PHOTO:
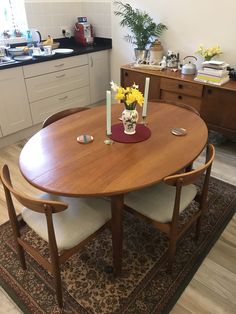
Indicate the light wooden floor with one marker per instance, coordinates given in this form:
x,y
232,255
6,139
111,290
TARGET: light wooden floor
x,y
213,288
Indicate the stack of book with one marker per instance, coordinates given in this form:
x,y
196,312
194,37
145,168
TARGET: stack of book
x,y
213,72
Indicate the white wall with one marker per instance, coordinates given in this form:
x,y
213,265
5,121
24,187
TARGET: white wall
x,y
189,22
51,16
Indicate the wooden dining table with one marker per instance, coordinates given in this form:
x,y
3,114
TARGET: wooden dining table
x,y
53,161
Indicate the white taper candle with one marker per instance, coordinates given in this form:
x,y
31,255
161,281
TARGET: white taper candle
x,y
108,106
146,90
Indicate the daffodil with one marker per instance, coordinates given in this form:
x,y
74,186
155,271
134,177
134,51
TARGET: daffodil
x,y
209,53
130,96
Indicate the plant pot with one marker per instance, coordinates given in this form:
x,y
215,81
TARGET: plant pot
x,y
140,54
129,119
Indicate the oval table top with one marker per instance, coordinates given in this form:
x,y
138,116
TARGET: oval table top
x,y
53,161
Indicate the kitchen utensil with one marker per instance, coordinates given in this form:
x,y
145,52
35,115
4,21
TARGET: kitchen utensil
x,y
189,67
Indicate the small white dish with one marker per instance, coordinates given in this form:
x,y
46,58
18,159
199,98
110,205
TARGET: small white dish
x,y
63,50
43,55
23,58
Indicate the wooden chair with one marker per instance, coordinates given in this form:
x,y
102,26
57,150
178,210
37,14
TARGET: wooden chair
x,y
62,114
162,204
64,223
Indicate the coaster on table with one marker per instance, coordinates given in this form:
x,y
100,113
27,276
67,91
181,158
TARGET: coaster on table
x,y
84,139
179,131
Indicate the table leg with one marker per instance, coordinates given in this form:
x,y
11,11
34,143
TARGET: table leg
x,y
117,206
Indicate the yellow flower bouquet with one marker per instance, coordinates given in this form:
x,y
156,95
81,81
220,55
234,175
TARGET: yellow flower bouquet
x,y
130,96
208,53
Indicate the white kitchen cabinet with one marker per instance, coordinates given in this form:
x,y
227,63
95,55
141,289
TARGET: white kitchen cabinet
x,y
14,106
54,65
31,93
99,74
51,84
45,107
57,85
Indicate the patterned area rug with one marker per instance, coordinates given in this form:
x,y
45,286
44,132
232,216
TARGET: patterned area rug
x,y
144,286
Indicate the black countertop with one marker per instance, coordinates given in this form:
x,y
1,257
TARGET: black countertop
x,y
99,45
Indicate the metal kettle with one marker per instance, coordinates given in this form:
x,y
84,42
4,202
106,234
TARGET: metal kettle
x,y
189,67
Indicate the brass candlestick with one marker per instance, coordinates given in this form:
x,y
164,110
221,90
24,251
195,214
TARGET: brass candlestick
x,y
144,120
108,141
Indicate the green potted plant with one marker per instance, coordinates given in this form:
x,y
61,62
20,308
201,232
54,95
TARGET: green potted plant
x,y
144,31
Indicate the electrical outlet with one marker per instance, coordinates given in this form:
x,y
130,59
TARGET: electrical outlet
x,y
63,30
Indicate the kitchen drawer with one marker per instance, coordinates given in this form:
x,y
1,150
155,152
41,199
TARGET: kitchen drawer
x,y
182,87
182,99
41,109
54,65
51,84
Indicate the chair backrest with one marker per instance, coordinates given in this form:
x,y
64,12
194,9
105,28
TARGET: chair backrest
x,y
192,176
181,105
37,205
186,178
62,114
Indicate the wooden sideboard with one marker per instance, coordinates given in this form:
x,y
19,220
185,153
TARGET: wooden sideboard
x,y
216,104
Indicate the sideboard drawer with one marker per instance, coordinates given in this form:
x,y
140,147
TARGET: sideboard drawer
x,y
182,99
182,87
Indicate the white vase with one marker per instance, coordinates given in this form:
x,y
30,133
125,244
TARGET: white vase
x,y
129,119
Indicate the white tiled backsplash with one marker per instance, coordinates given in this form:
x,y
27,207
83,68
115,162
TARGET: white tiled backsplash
x,y
51,17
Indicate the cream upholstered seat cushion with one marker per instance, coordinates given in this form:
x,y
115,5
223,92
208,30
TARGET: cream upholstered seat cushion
x,y
157,201
82,217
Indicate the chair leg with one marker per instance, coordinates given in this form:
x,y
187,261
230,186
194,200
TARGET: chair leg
x,y
198,228
57,281
171,252
21,254
19,248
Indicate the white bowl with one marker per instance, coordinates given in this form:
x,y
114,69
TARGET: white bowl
x,y
16,51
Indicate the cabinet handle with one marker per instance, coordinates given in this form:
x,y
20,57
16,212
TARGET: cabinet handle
x,y
63,98
91,61
180,86
126,74
209,91
180,97
60,76
59,65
